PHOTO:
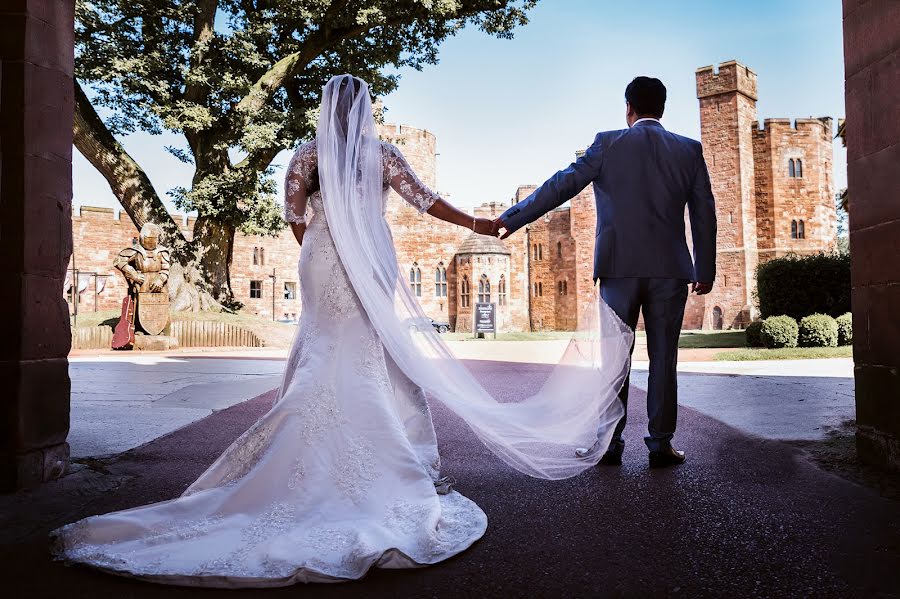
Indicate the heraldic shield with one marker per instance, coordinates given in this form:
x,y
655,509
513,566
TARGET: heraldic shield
x,y
153,311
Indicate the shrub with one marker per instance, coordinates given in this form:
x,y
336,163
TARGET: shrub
x,y
818,330
798,286
845,329
754,334
779,331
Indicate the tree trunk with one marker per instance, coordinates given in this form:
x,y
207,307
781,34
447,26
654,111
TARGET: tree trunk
x,y
215,244
131,186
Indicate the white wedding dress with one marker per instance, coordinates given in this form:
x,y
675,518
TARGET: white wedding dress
x,y
340,475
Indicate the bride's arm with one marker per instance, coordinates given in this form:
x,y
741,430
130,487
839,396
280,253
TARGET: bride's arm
x,y
405,182
295,192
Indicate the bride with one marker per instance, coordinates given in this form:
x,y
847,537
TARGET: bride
x,y
343,473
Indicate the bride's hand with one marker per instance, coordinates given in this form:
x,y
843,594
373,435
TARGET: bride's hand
x,y
484,226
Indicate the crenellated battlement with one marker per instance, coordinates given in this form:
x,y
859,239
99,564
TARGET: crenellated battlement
x,y
822,126
728,77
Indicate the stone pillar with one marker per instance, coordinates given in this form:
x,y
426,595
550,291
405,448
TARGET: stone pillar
x,y
872,71
36,109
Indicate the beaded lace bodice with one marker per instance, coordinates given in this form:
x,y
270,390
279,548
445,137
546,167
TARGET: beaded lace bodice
x,y
302,194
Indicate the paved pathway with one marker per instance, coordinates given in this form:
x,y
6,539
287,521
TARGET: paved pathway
x,y
745,517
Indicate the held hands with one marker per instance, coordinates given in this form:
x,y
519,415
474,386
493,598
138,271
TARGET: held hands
x,y
498,224
701,288
484,226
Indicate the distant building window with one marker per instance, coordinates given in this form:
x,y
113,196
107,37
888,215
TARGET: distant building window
x,y
415,280
540,251
255,289
541,289
559,249
562,287
731,217
792,171
793,229
801,230
464,292
262,256
484,290
256,256
440,281
501,291
290,290
799,168
534,252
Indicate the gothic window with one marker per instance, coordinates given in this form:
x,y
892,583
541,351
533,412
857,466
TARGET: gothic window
x,y
464,292
718,320
791,170
799,168
793,229
559,249
801,230
501,291
255,289
534,251
540,251
541,289
440,280
565,287
290,290
535,290
415,279
262,256
256,256
484,290
559,287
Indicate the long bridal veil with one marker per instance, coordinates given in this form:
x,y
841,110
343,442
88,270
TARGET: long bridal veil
x,y
537,435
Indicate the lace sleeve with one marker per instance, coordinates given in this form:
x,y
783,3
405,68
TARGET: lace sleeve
x,y
297,183
405,182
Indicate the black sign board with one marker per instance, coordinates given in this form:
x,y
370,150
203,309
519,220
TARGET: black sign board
x,y
485,318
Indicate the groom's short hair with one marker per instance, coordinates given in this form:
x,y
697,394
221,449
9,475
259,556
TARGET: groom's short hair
x,y
647,95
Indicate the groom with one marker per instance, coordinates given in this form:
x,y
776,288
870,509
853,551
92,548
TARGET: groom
x,y
642,176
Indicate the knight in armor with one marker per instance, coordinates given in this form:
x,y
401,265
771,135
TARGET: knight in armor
x,y
146,268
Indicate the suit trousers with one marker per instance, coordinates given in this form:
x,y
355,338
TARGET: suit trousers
x,y
662,302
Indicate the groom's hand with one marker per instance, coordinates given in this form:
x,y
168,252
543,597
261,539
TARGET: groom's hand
x,y
499,224
484,226
701,288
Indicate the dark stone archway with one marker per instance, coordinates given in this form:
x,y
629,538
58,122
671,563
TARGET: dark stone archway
x,y
36,110
872,69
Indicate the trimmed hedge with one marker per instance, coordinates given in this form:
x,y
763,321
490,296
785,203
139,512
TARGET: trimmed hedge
x,y
754,334
798,286
779,331
818,330
845,329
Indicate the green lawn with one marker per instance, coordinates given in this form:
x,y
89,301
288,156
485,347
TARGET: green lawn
x,y
786,353
700,339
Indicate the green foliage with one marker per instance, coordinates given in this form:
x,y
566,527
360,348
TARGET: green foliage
x,y
241,79
845,329
802,285
818,330
754,334
779,331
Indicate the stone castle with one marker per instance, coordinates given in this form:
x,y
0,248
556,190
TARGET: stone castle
x,y
773,184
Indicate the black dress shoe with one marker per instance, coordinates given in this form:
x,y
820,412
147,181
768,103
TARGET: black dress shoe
x,y
611,458
667,457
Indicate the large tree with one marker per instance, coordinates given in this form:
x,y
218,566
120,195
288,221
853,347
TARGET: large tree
x,y
240,80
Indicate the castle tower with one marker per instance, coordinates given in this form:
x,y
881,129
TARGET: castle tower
x,y
794,187
727,112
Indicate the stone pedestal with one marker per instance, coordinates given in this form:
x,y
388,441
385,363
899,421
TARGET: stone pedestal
x,y
872,70
154,342
36,110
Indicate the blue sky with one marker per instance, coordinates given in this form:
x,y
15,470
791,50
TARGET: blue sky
x,y
511,112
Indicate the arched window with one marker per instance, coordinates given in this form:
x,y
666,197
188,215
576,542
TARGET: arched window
x,y
501,291
255,256
464,292
559,287
440,280
799,168
535,290
262,256
791,170
801,230
559,249
484,290
541,289
540,251
718,320
534,251
565,288
415,280
793,229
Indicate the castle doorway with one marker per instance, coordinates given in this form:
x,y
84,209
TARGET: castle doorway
x,y
718,320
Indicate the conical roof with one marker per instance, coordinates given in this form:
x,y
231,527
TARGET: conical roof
x,y
482,244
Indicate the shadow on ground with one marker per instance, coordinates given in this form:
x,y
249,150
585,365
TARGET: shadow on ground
x,y
744,517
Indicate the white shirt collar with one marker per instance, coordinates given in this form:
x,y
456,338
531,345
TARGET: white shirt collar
x,y
646,118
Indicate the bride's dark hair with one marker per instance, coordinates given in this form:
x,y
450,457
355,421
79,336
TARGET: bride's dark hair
x,y
345,100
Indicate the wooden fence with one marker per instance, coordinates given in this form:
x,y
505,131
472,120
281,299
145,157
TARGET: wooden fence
x,y
190,333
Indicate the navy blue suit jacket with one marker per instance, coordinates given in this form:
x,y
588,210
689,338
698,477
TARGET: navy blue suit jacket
x,y
642,177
